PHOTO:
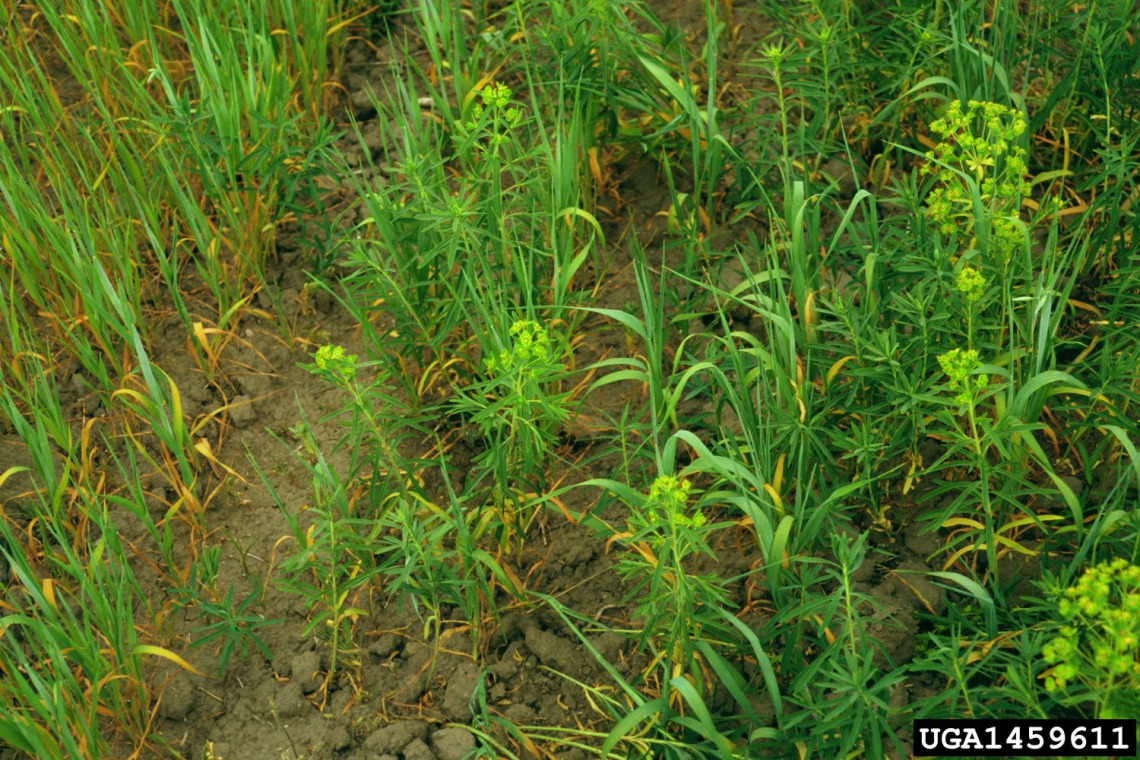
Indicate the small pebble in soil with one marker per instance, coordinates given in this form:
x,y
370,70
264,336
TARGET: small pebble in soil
x,y
339,738
915,574
453,743
520,714
306,671
290,702
1055,500
417,750
457,696
241,411
578,554
357,54
178,698
256,385
372,138
414,687
894,624
396,736
504,669
919,542
385,645
289,302
511,624
733,276
196,389
839,171
609,645
362,95
865,572
552,649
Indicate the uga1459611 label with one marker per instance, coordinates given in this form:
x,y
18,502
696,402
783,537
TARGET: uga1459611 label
x,y
1025,738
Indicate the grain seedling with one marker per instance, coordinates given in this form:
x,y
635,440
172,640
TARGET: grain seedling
x,y
71,654
842,695
647,368
750,463
439,560
332,565
340,552
406,248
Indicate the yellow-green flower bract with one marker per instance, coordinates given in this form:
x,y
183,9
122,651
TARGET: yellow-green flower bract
x,y
971,282
979,141
333,361
530,350
668,498
1102,618
496,99
959,365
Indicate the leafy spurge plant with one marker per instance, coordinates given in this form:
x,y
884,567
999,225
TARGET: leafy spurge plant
x,y
961,367
523,379
1098,643
979,141
664,532
335,365
490,150
494,118
496,99
530,351
519,409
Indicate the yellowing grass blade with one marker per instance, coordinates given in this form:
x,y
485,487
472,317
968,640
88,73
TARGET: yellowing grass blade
x,y
9,473
49,593
335,28
961,553
908,482
837,367
955,522
514,578
771,491
644,551
202,446
1011,544
204,343
166,654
